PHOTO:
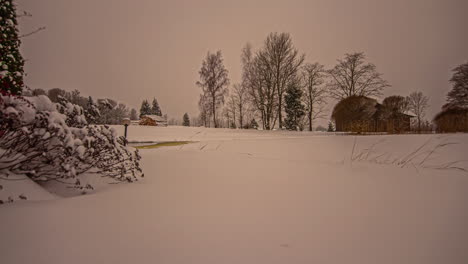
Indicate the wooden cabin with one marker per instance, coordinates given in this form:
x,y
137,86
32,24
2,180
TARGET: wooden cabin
x,y
365,115
152,120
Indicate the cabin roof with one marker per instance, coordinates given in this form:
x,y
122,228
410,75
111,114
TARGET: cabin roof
x,y
155,118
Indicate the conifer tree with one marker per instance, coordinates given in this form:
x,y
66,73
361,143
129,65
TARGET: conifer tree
x,y
155,109
133,114
253,123
458,96
186,120
293,107
145,108
11,61
92,112
330,127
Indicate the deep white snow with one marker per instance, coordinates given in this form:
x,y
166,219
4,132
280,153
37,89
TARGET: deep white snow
x,y
237,196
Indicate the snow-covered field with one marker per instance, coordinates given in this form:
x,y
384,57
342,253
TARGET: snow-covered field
x,y
255,197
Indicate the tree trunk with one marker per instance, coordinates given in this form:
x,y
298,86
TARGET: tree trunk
x,y
234,118
310,120
214,112
419,125
280,118
263,119
240,117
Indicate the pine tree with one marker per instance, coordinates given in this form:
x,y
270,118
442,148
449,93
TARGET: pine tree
x,y
458,96
133,114
293,107
145,108
186,120
330,127
92,112
11,61
155,109
253,123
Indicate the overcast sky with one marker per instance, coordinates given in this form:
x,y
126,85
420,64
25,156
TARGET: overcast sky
x,y
130,50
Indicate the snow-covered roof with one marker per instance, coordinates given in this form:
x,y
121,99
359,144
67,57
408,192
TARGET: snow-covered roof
x,y
155,118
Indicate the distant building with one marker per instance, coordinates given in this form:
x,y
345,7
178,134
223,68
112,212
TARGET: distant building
x,y
152,120
363,114
452,120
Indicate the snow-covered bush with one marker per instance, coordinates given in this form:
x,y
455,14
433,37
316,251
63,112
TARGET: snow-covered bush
x,y
45,141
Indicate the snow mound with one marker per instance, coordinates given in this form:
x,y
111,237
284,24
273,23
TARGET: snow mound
x,y
20,188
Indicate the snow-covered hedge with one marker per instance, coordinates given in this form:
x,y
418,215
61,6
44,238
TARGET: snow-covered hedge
x,y
45,142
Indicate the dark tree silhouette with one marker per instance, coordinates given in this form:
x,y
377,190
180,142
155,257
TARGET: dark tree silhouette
x,y
11,61
145,108
458,96
352,76
155,108
92,112
186,120
330,128
293,107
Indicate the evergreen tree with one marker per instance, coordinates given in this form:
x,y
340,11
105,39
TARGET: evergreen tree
x,y
330,127
253,124
294,108
186,120
133,114
92,111
145,108
458,96
155,109
11,61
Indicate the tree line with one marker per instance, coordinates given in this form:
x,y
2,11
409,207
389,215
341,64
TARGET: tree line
x,y
454,114
153,109
99,111
280,89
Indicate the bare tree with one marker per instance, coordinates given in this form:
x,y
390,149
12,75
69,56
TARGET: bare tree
x,y
313,78
261,89
283,61
353,76
232,109
204,111
418,103
240,98
214,81
253,82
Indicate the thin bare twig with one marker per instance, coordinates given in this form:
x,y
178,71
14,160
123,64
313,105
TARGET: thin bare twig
x,y
32,33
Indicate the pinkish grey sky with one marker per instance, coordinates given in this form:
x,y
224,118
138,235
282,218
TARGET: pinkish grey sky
x,y
132,50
